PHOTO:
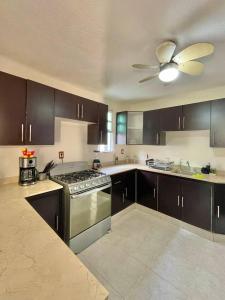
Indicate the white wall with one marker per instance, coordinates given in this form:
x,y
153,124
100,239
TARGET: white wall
x,y
193,145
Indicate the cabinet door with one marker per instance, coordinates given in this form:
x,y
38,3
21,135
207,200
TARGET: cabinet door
x,y
169,198
117,194
103,111
121,128
88,110
12,109
40,114
151,128
147,189
196,116
219,209
97,133
48,206
217,131
170,118
129,188
196,203
65,105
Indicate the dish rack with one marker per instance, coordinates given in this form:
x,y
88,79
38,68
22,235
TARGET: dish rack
x,y
160,164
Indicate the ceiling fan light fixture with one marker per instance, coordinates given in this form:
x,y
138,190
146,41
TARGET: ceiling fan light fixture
x,y
169,72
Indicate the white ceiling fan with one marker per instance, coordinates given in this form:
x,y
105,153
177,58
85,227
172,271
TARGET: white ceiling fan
x,y
170,66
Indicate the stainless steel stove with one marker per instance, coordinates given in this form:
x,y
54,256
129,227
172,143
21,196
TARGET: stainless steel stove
x,y
86,203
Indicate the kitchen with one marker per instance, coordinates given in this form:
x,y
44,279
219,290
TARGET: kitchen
x,y
148,221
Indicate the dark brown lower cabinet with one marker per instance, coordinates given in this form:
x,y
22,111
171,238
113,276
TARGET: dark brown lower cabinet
x,y
48,206
123,191
219,209
196,203
169,198
185,199
147,189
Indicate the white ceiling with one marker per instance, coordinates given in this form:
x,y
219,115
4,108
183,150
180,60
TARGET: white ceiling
x,y
62,38
93,44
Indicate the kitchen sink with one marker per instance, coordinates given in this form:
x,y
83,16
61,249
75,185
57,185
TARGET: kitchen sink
x,y
183,172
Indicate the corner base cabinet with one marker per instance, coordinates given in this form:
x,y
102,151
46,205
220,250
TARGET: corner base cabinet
x,y
147,189
49,207
123,191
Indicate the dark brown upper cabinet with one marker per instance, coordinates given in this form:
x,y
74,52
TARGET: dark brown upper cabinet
x,y
88,110
170,118
40,114
187,117
97,133
217,132
66,105
74,107
27,112
152,135
12,109
196,116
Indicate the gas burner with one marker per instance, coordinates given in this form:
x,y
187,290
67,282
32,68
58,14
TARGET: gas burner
x,y
78,176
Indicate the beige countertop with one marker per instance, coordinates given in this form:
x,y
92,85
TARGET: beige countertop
x,y
34,262
116,169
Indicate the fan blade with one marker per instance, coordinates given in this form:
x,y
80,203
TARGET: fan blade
x,y
148,78
194,51
191,67
143,67
164,51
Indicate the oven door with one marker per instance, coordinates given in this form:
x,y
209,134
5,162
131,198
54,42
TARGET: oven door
x,y
89,208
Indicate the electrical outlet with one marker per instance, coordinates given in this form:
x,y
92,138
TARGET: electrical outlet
x,y
61,154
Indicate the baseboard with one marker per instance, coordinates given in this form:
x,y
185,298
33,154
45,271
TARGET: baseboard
x,y
123,212
198,231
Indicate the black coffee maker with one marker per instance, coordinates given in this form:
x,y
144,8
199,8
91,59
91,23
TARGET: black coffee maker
x,y
28,171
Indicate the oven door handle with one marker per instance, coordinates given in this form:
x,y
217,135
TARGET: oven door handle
x,y
91,191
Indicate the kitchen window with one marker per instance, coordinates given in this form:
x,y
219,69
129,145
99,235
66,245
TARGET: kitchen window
x,y
109,146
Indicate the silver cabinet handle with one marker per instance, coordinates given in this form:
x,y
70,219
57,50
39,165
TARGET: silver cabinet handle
x,y
218,212
182,201
82,111
117,182
183,121
123,198
179,123
157,138
22,133
30,133
78,111
154,193
126,192
178,200
57,223
213,138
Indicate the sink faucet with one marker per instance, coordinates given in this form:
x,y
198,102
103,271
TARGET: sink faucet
x,y
188,164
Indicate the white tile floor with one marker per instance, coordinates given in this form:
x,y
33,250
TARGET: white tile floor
x,y
146,257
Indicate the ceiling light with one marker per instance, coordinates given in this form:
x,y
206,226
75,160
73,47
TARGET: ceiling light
x,y
169,72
